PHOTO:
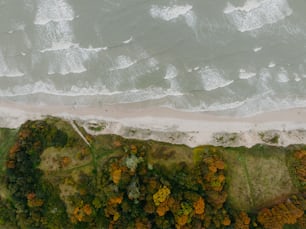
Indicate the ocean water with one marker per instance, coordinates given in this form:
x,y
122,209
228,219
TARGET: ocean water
x,y
231,57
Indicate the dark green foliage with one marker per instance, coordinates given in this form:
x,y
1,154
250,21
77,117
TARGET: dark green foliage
x,y
60,138
54,210
7,214
25,178
7,138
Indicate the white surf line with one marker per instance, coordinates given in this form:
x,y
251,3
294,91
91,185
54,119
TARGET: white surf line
x,y
79,132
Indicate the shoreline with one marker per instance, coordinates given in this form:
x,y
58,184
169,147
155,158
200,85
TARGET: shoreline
x,y
281,128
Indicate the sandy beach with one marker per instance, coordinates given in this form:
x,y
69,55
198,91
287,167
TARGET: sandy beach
x,y
278,128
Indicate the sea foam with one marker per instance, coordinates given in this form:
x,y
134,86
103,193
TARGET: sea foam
x,y
12,73
254,14
147,94
61,46
169,13
282,76
57,46
244,74
128,96
64,56
128,40
70,60
53,10
54,35
297,78
271,64
257,49
171,72
135,62
267,102
123,62
212,79
47,87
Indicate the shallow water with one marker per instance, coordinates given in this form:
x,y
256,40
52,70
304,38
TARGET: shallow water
x,y
231,57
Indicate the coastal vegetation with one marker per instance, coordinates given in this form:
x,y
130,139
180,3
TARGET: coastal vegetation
x,y
53,176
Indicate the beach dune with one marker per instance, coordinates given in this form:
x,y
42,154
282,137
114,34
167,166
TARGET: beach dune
x,y
281,128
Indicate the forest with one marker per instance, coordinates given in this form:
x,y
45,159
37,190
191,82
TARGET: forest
x,y
53,177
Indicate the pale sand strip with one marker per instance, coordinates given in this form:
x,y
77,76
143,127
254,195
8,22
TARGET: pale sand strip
x,y
163,124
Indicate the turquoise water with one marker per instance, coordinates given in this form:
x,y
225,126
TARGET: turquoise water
x,y
231,57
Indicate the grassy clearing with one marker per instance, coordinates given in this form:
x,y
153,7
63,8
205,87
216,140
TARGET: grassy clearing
x,y
257,177
57,159
167,154
269,177
239,188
